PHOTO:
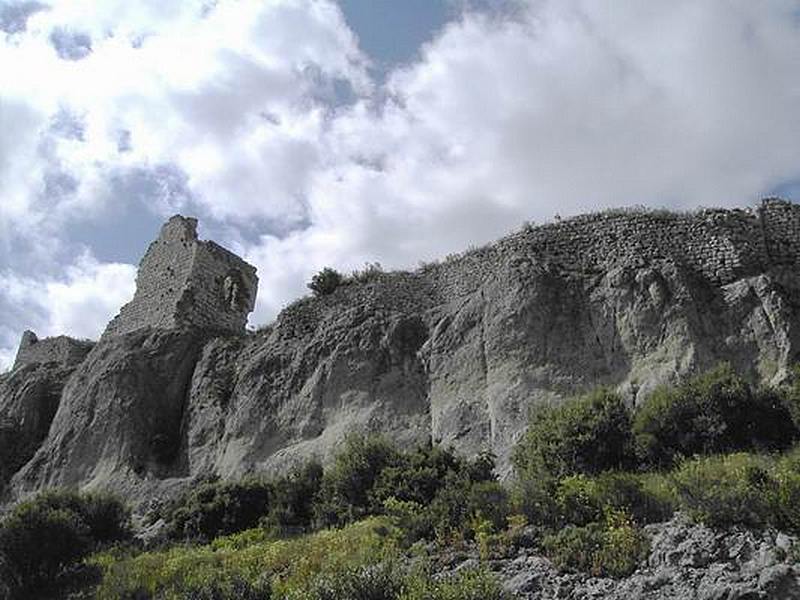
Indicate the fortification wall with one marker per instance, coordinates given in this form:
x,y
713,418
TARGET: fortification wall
x,y
223,289
62,349
183,281
720,245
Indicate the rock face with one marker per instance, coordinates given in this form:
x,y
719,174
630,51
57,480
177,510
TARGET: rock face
x,y
457,352
686,562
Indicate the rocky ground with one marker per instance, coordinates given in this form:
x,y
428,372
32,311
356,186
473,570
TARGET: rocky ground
x,y
686,562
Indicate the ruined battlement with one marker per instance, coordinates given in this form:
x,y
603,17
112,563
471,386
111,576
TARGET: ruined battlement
x,y
64,350
187,282
720,245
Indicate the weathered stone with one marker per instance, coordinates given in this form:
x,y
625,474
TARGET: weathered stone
x,y
456,352
185,282
63,350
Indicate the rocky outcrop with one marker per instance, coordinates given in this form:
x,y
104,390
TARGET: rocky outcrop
x,y
457,352
686,562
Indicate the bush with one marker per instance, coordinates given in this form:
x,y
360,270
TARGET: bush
x,y
325,282
236,589
383,581
41,537
613,548
345,493
582,500
292,503
709,414
725,490
217,508
588,434
469,584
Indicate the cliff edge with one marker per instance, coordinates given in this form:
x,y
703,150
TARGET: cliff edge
x,y
456,352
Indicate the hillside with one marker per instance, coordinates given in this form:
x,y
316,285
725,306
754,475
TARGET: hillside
x,y
456,352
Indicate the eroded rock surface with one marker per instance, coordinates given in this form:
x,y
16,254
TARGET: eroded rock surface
x,y
457,352
686,562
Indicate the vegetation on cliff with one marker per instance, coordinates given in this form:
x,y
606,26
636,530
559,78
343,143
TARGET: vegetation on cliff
x,y
590,473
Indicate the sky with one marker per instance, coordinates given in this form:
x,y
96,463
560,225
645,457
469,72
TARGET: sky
x,y
312,133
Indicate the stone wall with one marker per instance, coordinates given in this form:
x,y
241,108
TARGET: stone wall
x,y
62,349
720,245
184,282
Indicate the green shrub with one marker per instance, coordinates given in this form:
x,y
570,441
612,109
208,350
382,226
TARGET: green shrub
x,y
624,546
574,547
382,581
536,499
43,536
786,496
648,498
582,500
345,493
419,475
218,508
588,434
613,548
461,501
469,584
290,565
578,500
724,490
236,589
292,503
325,282
709,414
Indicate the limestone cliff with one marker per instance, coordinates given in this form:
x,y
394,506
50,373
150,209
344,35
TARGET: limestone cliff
x,y
456,351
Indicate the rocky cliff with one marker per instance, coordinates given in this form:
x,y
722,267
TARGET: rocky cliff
x,y
456,352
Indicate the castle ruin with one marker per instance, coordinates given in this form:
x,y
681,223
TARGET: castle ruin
x,y
187,282
63,350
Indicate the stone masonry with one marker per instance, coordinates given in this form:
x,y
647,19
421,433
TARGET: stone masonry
x,y
186,282
62,349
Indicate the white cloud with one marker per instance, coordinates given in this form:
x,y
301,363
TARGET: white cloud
x,y
80,303
231,110
572,107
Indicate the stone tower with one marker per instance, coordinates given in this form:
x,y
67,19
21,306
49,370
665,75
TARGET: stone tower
x,y
186,282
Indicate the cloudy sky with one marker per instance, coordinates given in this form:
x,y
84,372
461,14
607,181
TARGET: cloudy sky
x,y
305,133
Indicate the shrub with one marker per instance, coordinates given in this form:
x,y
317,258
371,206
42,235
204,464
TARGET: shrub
x,y
711,413
613,548
325,282
345,493
461,501
370,272
291,565
43,536
292,502
582,500
382,581
236,589
724,490
469,584
217,508
578,500
418,475
623,546
588,434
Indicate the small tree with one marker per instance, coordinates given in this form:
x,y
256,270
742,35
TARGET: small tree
x,y
325,282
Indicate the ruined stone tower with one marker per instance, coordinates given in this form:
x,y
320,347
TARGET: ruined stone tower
x,y
186,282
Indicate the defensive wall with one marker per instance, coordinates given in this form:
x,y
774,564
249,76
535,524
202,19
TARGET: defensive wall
x,y
721,245
62,349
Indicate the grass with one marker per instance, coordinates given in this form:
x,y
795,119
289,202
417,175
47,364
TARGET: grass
x,y
289,564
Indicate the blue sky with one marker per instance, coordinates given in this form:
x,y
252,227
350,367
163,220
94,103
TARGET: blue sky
x,y
307,133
